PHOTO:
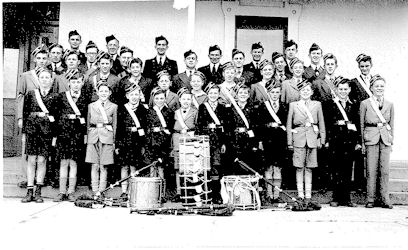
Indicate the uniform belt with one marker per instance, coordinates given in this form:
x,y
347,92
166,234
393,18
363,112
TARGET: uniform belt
x,y
99,125
132,129
380,124
38,114
308,124
341,122
241,129
157,129
188,130
70,116
214,126
273,125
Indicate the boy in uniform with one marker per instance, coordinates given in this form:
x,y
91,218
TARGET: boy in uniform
x,y
257,51
183,79
213,71
315,69
74,40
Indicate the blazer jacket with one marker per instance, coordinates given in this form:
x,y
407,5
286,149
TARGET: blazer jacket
x,y
59,70
290,91
116,66
126,137
258,94
190,120
257,72
89,86
298,134
310,73
179,81
372,134
172,101
321,90
151,68
215,77
357,91
94,117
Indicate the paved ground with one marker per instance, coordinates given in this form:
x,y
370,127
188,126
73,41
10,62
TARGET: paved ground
x,y
63,226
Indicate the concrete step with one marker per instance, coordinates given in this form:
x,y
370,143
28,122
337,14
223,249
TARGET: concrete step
x,y
399,198
398,185
399,173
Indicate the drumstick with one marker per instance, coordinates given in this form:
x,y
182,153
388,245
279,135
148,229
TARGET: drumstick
x,y
117,183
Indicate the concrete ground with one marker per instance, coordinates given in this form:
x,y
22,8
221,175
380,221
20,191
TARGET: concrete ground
x,y
63,226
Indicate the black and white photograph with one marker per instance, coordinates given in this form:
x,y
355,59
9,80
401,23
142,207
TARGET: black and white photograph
x,y
207,124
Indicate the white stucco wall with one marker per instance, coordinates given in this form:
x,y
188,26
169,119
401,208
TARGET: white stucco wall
x,y
345,30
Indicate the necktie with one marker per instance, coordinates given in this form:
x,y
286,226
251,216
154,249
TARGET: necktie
x,y
160,61
275,106
379,103
103,104
54,66
44,93
257,65
189,76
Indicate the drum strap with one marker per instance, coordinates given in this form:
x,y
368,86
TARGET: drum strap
x,y
42,105
378,112
212,114
195,102
104,116
364,85
133,115
35,77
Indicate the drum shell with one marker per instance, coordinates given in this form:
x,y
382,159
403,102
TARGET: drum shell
x,y
242,191
145,192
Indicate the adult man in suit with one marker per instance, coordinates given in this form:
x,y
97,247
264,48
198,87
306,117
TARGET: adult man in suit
x,y
103,73
315,69
238,59
112,44
74,40
160,61
362,82
56,65
213,71
257,51
377,131
183,79
290,51
280,63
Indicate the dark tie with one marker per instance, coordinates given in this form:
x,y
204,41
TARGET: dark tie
x,y
55,67
275,106
257,65
212,69
160,61
189,76
103,104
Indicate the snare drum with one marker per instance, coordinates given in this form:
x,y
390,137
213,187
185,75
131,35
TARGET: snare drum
x,y
242,191
145,193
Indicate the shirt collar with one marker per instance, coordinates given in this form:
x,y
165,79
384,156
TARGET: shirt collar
x,y
158,58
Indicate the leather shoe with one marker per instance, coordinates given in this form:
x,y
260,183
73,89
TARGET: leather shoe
x,y
370,205
389,206
351,204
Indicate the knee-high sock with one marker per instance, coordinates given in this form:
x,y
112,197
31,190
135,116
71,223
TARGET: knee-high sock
x,y
63,178
268,176
308,183
95,177
31,165
103,178
299,182
73,169
178,185
41,170
277,181
124,172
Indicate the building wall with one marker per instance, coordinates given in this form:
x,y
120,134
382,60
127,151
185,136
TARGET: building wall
x,y
343,29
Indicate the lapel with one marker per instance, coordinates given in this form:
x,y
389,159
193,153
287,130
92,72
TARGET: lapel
x,y
300,109
189,114
262,91
326,87
170,97
184,78
293,84
386,106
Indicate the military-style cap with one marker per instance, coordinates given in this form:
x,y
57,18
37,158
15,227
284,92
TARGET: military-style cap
x,y
102,82
160,38
328,56
264,63
134,60
272,83
130,87
76,76
90,45
257,45
228,65
73,33
183,91
125,49
214,48
155,91
314,47
294,61
237,51
163,73
55,45
303,83
339,80
200,74
276,55
363,57
110,38
240,85
188,53
376,78
68,52
211,85
41,48
70,73
39,70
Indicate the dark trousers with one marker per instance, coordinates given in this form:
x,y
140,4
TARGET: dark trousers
x,y
322,175
342,165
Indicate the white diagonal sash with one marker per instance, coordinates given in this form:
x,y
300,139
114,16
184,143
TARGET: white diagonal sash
x,y
378,112
42,105
161,117
72,103
181,120
104,116
309,115
35,77
195,102
364,85
212,114
273,114
133,115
